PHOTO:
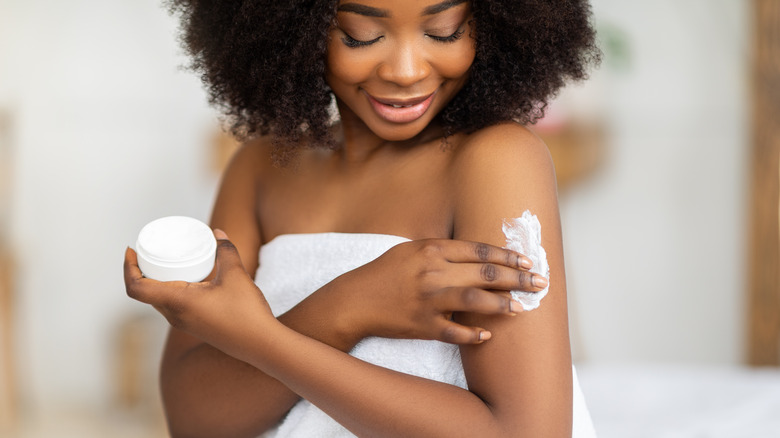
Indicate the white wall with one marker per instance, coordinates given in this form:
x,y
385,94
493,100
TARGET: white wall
x,y
655,244
110,134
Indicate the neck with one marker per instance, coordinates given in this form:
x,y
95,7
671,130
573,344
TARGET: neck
x,y
359,144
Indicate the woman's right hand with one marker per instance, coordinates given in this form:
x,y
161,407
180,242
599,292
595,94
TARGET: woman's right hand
x,y
412,290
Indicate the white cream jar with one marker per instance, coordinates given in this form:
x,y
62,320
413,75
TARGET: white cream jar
x,y
176,248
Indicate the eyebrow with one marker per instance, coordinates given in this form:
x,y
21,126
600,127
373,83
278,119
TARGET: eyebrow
x,y
443,6
369,11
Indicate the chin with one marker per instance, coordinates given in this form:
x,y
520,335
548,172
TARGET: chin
x,y
400,132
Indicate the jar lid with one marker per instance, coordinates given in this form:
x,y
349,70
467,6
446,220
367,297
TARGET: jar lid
x,y
176,241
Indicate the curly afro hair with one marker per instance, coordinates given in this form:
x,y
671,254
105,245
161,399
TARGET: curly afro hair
x,y
263,63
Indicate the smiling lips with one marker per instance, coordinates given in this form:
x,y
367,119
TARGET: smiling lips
x,y
401,110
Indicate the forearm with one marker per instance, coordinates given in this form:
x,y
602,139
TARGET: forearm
x,y
371,400
209,393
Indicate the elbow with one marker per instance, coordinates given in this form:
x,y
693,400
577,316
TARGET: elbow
x,y
542,426
185,420
179,426
191,427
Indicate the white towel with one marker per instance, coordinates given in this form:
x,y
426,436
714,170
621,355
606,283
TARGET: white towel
x,y
293,266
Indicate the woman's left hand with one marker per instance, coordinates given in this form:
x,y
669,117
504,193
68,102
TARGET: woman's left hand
x,y
221,311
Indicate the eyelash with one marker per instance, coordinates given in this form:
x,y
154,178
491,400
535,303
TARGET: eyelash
x,y
448,39
353,43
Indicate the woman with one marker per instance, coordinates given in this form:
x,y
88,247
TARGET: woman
x,y
429,145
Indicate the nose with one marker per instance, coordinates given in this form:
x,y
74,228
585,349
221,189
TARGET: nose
x,y
405,66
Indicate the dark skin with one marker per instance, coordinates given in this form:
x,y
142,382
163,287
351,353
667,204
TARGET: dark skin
x,y
232,369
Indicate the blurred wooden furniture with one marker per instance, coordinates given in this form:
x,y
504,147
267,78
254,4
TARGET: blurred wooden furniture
x,y
578,149
8,389
138,343
764,260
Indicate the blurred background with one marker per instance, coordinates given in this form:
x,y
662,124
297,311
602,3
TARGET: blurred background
x,y
102,130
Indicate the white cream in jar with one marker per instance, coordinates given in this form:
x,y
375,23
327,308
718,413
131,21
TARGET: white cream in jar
x,y
176,248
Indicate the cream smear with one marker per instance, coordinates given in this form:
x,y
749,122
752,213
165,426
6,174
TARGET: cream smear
x,y
524,235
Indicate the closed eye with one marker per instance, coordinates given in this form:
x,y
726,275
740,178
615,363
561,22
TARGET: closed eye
x,y
354,43
448,39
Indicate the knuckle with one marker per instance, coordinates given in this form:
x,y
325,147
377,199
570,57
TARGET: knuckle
x,y
425,295
131,290
450,334
134,289
226,245
426,276
482,251
524,278
488,272
470,296
431,249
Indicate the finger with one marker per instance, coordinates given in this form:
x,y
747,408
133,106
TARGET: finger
x,y
131,270
458,251
471,299
493,276
146,290
227,254
454,333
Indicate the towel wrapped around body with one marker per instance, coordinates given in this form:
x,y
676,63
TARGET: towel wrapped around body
x,y
292,266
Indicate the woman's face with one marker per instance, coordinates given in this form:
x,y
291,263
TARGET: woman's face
x,y
394,64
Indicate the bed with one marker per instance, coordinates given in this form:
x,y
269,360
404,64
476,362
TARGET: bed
x,y
655,401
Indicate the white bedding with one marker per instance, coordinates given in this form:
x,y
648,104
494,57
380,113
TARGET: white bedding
x,y
675,401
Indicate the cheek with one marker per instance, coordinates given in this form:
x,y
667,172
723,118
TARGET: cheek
x,y
345,65
456,63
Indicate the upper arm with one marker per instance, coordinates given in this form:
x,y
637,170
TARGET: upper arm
x,y
524,371
235,210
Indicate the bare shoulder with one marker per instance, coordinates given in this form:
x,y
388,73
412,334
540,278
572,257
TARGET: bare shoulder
x,y
507,155
504,136
506,147
251,158
250,169
240,181
504,133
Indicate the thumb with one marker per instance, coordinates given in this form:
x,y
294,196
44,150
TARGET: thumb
x,y
454,333
220,235
227,253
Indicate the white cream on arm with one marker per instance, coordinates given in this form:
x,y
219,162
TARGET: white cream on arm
x,y
524,235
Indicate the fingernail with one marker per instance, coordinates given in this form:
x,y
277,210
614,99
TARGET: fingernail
x,y
484,335
539,281
526,263
219,234
515,307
